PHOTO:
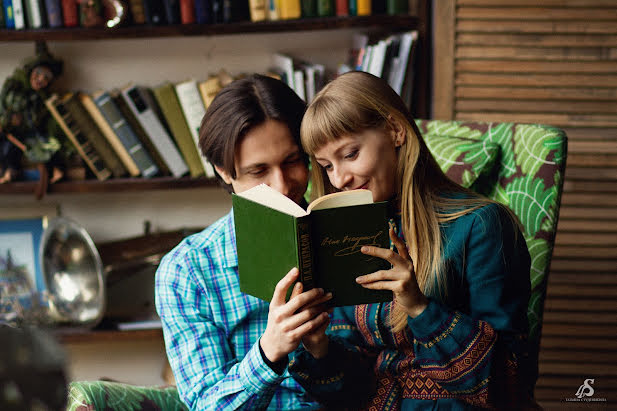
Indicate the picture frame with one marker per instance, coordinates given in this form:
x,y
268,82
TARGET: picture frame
x,y
22,286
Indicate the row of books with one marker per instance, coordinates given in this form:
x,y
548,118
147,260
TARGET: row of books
x,y
138,131
35,14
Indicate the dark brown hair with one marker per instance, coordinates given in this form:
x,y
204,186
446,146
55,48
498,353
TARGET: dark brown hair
x,y
238,108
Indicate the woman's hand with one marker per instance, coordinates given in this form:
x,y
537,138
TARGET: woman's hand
x,y
400,279
289,322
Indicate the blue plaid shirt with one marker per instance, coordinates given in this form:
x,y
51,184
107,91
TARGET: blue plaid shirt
x,y
212,329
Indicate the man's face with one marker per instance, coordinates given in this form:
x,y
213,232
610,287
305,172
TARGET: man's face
x,y
268,155
40,77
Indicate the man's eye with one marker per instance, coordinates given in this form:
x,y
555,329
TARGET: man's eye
x,y
256,172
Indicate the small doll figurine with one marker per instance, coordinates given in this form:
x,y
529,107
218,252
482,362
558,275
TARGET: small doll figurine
x,y
26,127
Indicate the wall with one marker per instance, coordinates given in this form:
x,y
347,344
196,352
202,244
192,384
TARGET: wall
x,y
551,62
91,65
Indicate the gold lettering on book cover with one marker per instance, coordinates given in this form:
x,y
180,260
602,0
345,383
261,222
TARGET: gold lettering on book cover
x,y
349,245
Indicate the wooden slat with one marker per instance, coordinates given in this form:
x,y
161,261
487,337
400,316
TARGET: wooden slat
x,y
579,305
583,266
560,367
583,291
589,212
535,106
536,53
583,239
585,252
528,26
580,318
535,40
607,147
534,93
513,66
579,330
589,185
569,225
536,13
579,356
597,199
592,160
574,342
559,120
538,80
556,277
578,173
583,133
443,51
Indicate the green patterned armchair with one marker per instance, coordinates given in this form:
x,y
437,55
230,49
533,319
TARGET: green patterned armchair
x,y
520,165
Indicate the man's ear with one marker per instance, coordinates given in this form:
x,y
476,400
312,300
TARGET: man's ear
x,y
399,134
224,175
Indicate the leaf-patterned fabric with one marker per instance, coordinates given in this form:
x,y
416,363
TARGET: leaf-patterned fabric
x,y
104,395
529,179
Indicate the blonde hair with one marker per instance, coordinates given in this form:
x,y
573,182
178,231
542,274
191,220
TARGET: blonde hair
x,y
357,101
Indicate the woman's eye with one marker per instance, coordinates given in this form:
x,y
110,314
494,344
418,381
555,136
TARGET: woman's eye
x,y
351,154
327,167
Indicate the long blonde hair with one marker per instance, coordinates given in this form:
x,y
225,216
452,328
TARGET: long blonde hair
x,y
357,101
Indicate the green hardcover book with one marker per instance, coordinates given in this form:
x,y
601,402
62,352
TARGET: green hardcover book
x,y
274,234
325,8
167,100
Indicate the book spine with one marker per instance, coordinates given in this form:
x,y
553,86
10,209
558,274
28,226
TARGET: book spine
x,y
138,15
188,11
54,13
9,21
172,11
325,8
129,140
258,10
342,8
34,14
309,8
76,136
19,15
155,12
87,124
397,6
363,7
274,10
70,15
109,134
305,253
158,137
290,9
193,109
202,12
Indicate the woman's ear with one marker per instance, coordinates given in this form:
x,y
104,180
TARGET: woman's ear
x,y
224,175
397,131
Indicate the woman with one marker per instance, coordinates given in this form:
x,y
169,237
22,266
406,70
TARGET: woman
x,y
454,336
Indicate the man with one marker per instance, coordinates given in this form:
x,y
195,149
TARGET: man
x,y
229,350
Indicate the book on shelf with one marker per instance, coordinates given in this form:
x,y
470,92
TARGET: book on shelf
x,y
172,11
360,7
109,133
85,121
325,8
134,124
315,78
274,7
9,18
193,110
154,10
289,9
274,234
136,8
258,10
86,151
35,14
19,14
208,89
129,140
70,14
342,8
54,13
142,106
397,6
308,8
167,100
202,11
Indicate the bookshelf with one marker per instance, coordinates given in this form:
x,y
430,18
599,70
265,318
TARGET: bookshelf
x,y
417,20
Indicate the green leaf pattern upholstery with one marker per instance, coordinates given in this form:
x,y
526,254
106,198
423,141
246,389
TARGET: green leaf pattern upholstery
x,y
105,395
528,178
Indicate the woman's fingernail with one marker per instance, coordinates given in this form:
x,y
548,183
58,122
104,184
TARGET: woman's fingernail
x,y
364,249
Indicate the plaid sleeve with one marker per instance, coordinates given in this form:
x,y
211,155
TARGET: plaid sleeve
x,y
207,372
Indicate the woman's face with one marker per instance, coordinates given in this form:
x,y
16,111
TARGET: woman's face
x,y
365,160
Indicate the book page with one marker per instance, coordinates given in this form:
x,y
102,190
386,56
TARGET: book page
x,y
269,197
342,199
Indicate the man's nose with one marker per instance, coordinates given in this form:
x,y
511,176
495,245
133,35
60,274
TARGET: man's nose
x,y
279,181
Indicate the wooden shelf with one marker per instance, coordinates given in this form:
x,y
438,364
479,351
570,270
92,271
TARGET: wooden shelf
x,y
113,185
91,336
145,31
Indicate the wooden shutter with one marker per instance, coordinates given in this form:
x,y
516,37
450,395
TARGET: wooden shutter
x,y
551,62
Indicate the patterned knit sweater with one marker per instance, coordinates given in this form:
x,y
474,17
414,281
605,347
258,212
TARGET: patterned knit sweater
x,y
466,350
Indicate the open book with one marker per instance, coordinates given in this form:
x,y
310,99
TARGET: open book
x,y
274,234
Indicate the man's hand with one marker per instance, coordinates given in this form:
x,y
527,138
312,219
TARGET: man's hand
x,y
289,322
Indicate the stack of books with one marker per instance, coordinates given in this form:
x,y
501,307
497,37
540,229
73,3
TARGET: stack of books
x,y
136,131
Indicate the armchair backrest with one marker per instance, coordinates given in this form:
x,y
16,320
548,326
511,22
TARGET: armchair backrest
x,y
528,178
